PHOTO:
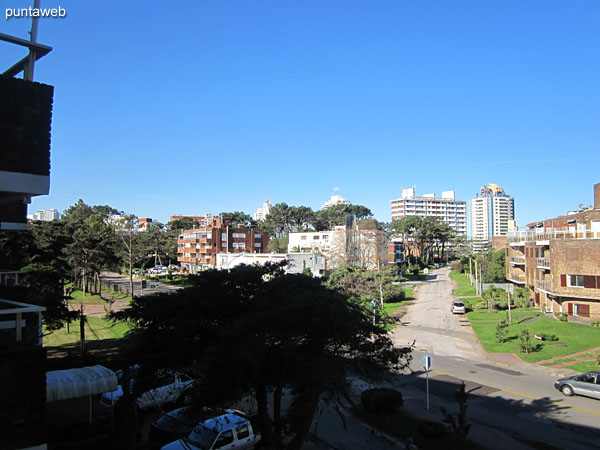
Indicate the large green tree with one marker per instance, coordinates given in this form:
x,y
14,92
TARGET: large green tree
x,y
256,331
93,244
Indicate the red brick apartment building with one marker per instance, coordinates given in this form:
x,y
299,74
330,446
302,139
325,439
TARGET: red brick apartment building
x,y
560,260
197,248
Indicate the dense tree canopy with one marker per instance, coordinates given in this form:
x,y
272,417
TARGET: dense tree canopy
x,y
256,331
423,237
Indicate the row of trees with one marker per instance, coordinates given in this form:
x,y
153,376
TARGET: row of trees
x,y
74,250
424,238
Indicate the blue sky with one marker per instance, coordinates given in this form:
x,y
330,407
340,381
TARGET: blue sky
x,y
210,106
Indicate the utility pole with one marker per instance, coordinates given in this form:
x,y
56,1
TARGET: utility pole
x,y
82,331
509,314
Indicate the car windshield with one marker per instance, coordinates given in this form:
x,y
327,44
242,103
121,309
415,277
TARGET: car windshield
x,y
459,304
202,437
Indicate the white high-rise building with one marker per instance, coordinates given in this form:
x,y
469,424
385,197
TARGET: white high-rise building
x,y
46,215
446,208
335,199
491,211
262,212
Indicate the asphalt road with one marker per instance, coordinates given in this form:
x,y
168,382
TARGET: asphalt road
x,y
514,396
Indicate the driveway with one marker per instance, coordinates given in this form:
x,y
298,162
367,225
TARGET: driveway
x,y
433,327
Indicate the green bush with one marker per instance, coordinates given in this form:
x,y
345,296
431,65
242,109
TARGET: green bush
x,y
548,337
501,331
381,400
563,317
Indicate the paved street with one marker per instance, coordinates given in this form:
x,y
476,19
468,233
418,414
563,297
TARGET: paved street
x,y
510,394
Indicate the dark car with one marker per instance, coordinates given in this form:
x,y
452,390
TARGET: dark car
x,y
587,384
179,423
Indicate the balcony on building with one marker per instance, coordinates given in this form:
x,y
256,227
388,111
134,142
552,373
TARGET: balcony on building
x,y
517,260
517,278
543,263
544,286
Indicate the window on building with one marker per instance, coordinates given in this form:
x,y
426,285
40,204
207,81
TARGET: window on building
x,y
257,244
574,254
325,237
316,237
258,236
223,236
303,237
575,280
239,245
239,235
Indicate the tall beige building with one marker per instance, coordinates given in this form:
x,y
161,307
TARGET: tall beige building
x,y
446,208
491,211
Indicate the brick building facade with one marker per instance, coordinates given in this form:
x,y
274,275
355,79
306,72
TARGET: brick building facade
x,y
559,259
197,248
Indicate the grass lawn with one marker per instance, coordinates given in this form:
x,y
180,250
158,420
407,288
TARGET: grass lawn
x,y
78,297
464,288
182,280
585,366
390,308
96,329
572,337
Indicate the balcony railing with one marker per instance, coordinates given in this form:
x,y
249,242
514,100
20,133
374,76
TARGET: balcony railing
x,y
517,259
543,262
517,278
544,285
530,236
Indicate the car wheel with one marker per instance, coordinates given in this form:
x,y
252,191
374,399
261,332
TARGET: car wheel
x,y
567,390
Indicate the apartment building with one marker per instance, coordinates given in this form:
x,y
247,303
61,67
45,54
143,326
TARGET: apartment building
x,y
25,125
335,199
144,223
197,248
296,262
345,244
491,211
46,215
445,208
262,212
558,259
396,251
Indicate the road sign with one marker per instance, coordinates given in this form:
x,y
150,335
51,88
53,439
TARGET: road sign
x,y
427,361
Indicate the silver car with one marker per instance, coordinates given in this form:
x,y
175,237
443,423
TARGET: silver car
x,y
587,384
457,307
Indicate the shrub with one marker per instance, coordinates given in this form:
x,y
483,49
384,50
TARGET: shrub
x,y
525,341
381,400
501,331
548,337
456,266
563,317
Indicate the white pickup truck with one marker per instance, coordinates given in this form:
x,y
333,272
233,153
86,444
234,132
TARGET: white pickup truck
x,y
225,432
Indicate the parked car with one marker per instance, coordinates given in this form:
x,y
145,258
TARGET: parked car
x,y
158,270
457,307
180,422
587,384
167,387
224,432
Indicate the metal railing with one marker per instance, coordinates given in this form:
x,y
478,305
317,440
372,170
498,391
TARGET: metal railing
x,y
531,236
543,262
517,277
544,285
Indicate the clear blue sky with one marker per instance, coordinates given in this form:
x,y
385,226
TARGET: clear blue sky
x,y
209,106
